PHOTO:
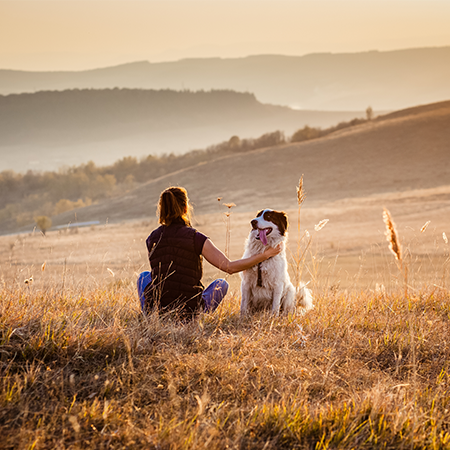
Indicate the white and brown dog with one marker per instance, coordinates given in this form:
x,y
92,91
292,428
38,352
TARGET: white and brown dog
x,y
267,285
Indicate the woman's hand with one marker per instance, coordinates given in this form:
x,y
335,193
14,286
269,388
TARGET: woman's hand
x,y
215,257
269,252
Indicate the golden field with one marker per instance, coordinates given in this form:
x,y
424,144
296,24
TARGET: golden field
x,y
366,368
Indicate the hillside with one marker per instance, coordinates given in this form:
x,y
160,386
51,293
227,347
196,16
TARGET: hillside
x,y
385,80
405,151
48,129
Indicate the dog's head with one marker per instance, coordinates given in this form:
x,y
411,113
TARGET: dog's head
x,y
269,224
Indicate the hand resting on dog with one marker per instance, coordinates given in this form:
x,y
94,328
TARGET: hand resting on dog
x,y
215,257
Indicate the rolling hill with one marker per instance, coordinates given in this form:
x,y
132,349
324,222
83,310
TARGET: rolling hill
x,y
385,80
403,152
48,129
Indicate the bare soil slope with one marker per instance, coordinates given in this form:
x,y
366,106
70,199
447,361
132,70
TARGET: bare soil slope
x,y
406,151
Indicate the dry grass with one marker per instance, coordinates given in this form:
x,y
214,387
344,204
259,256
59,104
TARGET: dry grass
x,y
85,370
81,368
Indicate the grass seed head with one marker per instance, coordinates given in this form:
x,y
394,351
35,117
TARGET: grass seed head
x,y
301,194
321,224
444,236
425,226
392,236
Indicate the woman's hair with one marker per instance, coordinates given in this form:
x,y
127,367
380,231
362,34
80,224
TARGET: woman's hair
x,y
174,205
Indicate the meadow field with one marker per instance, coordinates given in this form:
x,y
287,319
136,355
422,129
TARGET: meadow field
x,y
368,367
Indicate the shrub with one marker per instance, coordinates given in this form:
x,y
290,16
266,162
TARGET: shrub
x,y
305,134
44,223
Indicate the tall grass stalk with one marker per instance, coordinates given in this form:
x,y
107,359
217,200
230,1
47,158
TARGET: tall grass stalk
x,y
299,259
396,249
228,228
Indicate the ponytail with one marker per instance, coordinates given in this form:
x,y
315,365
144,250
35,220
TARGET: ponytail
x,y
174,205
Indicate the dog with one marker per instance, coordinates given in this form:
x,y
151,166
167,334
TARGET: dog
x,y
267,286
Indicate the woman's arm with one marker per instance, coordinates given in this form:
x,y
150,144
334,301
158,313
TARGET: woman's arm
x,y
215,257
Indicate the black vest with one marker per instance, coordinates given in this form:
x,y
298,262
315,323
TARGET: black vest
x,y
176,270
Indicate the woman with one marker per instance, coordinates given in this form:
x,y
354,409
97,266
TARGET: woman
x,y
175,252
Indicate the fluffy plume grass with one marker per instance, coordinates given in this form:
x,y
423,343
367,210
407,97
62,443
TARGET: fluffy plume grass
x,y
301,194
395,246
392,236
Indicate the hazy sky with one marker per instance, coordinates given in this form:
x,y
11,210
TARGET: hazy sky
x,y
83,34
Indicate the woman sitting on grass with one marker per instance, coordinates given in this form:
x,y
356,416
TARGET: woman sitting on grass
x,y
175,250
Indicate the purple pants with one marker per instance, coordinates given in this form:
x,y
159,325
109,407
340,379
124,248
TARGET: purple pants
x,y
212,295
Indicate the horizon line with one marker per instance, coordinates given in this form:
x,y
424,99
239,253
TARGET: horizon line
x,y
201,58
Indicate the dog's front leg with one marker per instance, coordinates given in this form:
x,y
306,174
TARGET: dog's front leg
x,y
245,298
276,301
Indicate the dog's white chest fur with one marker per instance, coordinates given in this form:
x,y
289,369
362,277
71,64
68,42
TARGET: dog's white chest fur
x,y
267,286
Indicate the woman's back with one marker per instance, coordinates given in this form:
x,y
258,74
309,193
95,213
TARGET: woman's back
x,y
175,260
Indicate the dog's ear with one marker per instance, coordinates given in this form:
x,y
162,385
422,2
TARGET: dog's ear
x,y
281,221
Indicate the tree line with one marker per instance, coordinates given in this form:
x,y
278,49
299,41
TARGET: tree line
x,y
35,194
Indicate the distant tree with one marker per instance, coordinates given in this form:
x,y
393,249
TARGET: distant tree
x,y
44,223
23,218
306,133
102,186
234,143
124,167
64,205
129,183
369,113
269,140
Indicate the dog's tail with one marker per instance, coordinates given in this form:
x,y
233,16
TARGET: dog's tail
x,y
304,296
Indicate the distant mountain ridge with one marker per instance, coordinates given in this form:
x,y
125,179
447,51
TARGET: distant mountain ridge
x,y
87,114
324,81
54,128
